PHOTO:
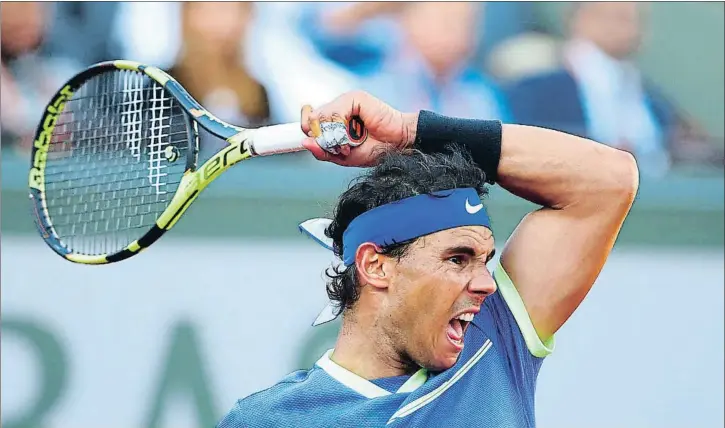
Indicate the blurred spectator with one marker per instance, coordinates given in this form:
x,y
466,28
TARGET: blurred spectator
x,y
217,77
79,33
524,55
43,45
148,31
432,67
257,63
26,82
355,35
360,35
281,56
600,93
501,21
414,55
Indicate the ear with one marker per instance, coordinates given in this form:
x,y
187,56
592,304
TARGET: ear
x,y
372,266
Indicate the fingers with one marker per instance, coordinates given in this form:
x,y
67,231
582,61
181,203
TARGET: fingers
x,y
311,145
314,124
310,121
339,110
345,150
328,129
321,154
306,116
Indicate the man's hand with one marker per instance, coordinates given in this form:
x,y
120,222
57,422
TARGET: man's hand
x,y
387,128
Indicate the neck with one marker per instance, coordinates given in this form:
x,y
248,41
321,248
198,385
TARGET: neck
x,y
364,349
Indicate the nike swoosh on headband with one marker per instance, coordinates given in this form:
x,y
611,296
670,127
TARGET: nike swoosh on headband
x,y
473,209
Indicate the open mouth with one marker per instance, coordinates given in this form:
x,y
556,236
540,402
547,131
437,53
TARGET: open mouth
x,y
457,329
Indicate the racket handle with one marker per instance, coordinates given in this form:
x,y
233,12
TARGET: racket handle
x,y
287,138
275,139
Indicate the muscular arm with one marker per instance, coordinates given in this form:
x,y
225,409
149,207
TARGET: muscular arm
x,y
586,190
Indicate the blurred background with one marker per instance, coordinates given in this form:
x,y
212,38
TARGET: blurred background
x,y
222,306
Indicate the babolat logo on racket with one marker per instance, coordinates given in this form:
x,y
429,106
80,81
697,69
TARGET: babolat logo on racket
x,y
42,142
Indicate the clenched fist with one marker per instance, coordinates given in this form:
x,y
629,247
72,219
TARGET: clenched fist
x,y
384,129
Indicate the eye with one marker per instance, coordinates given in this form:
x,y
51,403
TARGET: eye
x,y
459,260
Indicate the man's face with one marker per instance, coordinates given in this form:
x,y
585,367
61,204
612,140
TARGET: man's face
x,y
22,26
219,23
443,276
614,27
443,33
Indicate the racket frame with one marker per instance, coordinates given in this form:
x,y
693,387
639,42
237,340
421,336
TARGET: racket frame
x,y
195,178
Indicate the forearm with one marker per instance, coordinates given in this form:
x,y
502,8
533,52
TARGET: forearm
x,y
559,170
550,168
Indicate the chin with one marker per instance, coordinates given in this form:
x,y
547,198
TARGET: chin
x,y
444,360
442,353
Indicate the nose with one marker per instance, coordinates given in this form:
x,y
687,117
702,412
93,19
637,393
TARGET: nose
x,y
482,284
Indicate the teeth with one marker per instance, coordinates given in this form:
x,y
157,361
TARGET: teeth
x,y
468,316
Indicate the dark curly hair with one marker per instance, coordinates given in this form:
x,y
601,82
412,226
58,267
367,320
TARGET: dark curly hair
x,y
398,175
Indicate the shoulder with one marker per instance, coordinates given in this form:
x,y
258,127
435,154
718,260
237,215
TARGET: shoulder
x,y
274,404
309,398
303,398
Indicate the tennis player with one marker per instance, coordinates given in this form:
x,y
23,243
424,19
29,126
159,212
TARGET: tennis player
x,y
430,337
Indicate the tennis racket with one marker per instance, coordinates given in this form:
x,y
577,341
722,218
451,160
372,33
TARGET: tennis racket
x,y
114,160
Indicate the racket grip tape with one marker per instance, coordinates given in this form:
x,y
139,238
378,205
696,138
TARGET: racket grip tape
x,y
274,139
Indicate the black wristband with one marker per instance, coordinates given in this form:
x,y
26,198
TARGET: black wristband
x,y
481,138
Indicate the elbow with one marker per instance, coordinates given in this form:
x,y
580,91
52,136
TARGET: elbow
x,y
623,179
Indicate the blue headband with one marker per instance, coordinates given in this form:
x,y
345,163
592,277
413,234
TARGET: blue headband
x,y
414,217
405,219
402,221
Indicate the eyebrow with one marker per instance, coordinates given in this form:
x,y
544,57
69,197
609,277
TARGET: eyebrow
x,y
464,249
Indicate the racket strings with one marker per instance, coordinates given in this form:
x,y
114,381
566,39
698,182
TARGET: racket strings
x,y
131,126
116,157
108,195
141,91
108,143
156,167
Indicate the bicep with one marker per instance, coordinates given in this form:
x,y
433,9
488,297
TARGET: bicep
x,y
554,257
